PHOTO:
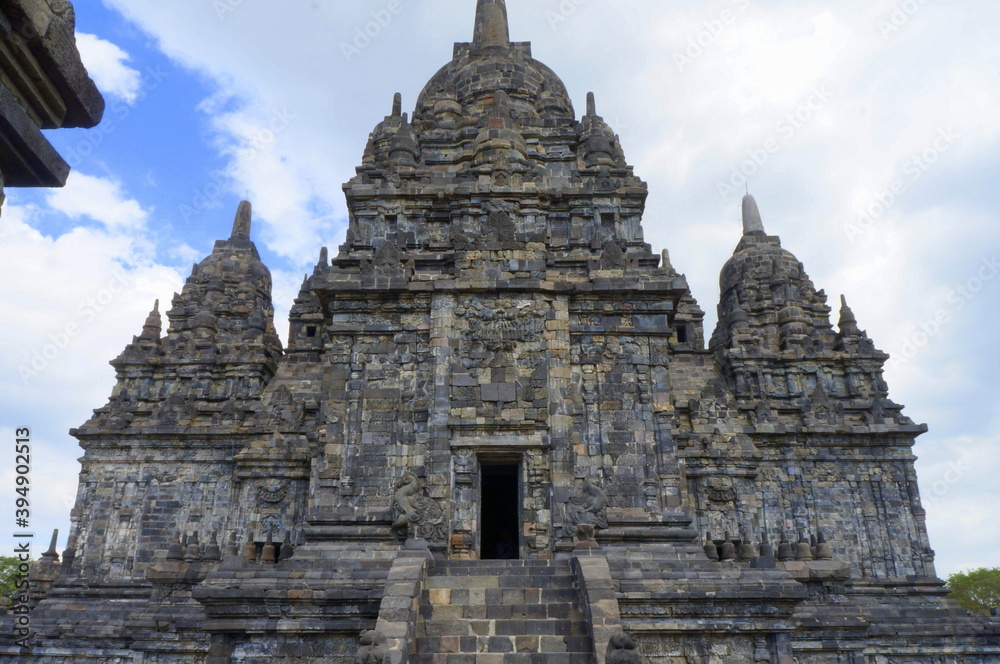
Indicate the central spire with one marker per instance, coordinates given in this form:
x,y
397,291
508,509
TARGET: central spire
x,y
491,23
752,223
241,225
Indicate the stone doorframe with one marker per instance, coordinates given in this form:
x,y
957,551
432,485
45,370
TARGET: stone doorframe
x,y
530,453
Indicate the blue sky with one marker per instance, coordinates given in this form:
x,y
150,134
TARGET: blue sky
x,y
824,108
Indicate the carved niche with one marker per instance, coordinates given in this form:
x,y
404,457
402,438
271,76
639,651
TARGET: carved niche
x,y
498,324
720,490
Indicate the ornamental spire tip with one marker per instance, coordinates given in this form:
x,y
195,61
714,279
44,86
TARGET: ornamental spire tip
x,y
492,27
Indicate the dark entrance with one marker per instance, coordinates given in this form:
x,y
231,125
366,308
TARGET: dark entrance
x,y
498,513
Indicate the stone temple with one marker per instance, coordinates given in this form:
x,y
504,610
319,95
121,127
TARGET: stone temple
x,y
498,434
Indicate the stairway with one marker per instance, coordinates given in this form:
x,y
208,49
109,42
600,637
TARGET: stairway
x,y
501,612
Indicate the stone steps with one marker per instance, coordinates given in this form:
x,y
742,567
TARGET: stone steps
x,y
502,658
501,612
486,567
542,585
503,644
468,581
462,627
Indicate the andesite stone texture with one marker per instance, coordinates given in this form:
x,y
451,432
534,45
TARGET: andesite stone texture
x,y
43,85
495,312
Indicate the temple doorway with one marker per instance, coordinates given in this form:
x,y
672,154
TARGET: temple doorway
x,y
499,513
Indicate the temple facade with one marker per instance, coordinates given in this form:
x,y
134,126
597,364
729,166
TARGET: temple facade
x,y
499,433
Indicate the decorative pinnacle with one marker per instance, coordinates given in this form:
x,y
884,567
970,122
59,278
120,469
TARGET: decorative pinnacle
x,y
591,104
241,225
848,322
51,554
492,28
153,326
397,105
752,222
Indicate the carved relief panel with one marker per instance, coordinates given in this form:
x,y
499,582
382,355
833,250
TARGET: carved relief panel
x,y
499,376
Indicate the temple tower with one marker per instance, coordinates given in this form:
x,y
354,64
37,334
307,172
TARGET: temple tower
x,y
494,326
496,433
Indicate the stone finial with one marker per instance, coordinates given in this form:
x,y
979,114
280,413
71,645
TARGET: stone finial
x,y
766,559
765,545
241,225
176,550
368,156
665,263
405,147
397,105
52,556
153,327
250,549
728,551
213,552
785,549
268,554
622,650
848,323
492,27
324,257
233,548
193,552
752,223
287,550
746,551
803,550
68,556
823,549
711,551
591,104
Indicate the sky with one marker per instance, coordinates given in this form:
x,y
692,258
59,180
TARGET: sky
x,y
868,130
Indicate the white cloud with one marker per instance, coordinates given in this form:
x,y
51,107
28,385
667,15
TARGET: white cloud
x,y
105,63
185,254
100,199
959,491
77,299
80,299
